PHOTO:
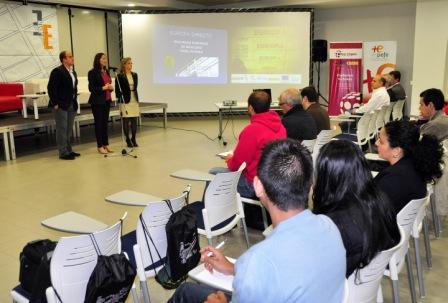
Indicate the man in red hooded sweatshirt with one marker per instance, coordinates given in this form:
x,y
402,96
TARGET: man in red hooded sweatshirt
x,y
265,126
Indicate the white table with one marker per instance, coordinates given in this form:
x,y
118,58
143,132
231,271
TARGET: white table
x,y
34,98
239,106
130,197
191,174
74,222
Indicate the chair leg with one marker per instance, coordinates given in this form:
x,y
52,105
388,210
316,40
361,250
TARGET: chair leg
x,y
379,295
435,217
427,243
418,263
245,232
411,279
264,216
145,292
396,291
440,223
134,294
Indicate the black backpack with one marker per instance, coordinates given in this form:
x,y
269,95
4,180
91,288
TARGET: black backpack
x,y
34,273
183,247
111,279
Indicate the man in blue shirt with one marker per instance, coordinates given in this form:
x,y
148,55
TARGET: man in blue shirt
x,y
303,253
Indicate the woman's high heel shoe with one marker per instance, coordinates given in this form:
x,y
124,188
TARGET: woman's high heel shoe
x,y
106,147
102,150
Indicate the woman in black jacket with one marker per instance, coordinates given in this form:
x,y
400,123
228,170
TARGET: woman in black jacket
x,y
345,192
100,87
413,162
126,91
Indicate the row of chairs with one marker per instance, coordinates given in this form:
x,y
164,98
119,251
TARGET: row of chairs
x,y
69,275
365,284
72,263
369,124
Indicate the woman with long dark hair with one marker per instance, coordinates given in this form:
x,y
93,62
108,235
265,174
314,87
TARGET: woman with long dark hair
x,y
126,91
345,192
413,162
100,87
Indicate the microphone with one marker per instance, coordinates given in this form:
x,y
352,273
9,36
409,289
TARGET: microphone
x,y
113,68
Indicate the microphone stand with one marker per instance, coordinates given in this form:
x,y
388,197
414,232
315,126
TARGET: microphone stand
x,y
124,151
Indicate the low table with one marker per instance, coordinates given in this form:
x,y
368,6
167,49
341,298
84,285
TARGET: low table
x,y
239,106
34,98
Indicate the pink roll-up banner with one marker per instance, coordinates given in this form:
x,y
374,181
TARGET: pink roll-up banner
x,y
345,76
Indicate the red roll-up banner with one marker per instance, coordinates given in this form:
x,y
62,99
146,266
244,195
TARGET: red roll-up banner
x,y
345,76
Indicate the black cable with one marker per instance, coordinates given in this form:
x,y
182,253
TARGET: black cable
x,y
197,131
183,129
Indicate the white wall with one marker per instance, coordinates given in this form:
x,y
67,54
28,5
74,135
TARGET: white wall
x,y
430,48
394,22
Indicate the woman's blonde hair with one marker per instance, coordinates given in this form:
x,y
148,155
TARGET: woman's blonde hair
x,y
123,63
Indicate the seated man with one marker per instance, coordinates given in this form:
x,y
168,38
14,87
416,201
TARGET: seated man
x,y
432,102
310,102
396,90
303,253
378,98
299,124
265,126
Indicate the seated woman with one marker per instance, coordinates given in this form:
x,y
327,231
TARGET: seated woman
x,y
345,192
413,162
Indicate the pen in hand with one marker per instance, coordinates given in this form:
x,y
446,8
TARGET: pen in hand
x,y
220,245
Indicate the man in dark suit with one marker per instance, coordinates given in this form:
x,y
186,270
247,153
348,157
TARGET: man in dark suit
x,y
298,123
62,90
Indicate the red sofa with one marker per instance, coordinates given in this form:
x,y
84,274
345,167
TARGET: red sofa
x,y
8,99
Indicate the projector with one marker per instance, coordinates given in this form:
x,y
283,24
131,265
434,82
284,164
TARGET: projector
x,y
229,103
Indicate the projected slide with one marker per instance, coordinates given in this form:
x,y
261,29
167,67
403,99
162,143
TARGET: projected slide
x,y
189,55
265,55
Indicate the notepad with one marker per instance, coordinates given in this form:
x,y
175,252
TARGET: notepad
x,y
216,279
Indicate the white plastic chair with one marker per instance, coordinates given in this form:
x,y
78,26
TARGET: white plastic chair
x,y
362,129
420,221
397,111
150,259
371,128
323,138
264,214
388,112
364,284
222,202
74,259
405,219
379,123
309,144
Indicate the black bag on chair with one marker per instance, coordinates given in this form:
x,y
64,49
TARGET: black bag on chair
x,y
183,247
34,273
111,279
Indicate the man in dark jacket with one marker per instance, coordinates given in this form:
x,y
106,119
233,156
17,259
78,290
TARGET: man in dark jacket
x,y
310,102
299,124
62,90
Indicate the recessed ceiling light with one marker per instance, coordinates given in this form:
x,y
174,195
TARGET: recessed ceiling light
x,y
131,4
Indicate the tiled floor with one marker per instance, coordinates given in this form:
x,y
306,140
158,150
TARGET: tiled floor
x,y
37,185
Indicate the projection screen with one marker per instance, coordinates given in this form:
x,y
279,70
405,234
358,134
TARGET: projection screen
x,y
193,60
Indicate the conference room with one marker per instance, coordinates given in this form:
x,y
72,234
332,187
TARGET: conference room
x,y
197,63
